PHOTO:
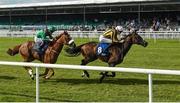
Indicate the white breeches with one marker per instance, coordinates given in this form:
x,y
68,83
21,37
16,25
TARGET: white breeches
x,y
39,41
104,40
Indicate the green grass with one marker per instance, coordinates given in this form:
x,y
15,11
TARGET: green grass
x,y
69,86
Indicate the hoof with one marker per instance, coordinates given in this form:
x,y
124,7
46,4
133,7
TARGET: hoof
x,y
32,77
102,77
82,75
85,75
45,77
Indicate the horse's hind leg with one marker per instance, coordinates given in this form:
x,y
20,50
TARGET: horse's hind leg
x,y
84,62
85,72
29,69
49,74
45,73
30,72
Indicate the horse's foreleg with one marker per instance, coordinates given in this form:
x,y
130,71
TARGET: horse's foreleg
x,y
85,73
103,76
30,72
49,74
113,73
106,73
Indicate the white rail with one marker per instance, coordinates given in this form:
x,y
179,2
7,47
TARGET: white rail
x,y
95,34
98,68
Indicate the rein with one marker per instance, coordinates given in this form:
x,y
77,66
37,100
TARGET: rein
x,y
57,38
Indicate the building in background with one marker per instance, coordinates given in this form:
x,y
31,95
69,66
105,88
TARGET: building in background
x,y
90,14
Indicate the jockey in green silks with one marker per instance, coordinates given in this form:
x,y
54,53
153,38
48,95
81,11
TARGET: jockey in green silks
x,y
43,37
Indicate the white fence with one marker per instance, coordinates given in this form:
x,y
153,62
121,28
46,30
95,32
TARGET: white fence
x,y
95,34
98,68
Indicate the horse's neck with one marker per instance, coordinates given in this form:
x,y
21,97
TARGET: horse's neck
x,y
58,45
126,47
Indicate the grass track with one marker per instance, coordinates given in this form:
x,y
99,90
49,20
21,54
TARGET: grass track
x,y
68,86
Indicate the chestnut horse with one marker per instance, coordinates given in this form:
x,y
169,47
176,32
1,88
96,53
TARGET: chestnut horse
x,y
117,51
50,56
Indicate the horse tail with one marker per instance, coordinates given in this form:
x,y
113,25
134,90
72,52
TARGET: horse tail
x,y
13,51
74,51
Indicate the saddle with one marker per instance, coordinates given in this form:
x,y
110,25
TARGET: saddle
x,y
102,49
40,49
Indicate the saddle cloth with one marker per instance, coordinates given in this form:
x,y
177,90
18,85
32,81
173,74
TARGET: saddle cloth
x,y
40,49
102,49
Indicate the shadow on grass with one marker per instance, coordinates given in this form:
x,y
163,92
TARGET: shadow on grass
x,y
7,77
122,81
30,96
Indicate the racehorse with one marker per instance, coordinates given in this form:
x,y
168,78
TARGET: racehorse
x,y
50,56
117,52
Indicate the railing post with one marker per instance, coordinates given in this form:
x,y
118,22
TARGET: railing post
x,y
154,36
37,85
150,87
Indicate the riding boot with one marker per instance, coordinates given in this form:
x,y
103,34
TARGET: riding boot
x,y
41,53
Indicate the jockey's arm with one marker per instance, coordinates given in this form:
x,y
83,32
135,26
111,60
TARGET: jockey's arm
x,y
114,37
49,34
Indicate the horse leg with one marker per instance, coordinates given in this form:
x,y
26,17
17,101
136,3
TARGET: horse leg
x,y
103,76
113,73
30,72
85,72
84,62
49,74
29,69
45,73
106,73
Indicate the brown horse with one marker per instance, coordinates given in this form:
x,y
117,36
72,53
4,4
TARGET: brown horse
x,y
50,55
117,52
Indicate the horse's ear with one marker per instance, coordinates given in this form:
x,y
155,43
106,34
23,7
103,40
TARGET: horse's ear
x,y
65,32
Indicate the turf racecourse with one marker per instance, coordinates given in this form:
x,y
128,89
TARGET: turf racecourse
x,y
69,86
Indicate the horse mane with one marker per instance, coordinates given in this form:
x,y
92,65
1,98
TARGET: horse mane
x,y
56,38
120,44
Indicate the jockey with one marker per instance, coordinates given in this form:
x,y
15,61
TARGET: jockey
x,y
111,35
43,37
